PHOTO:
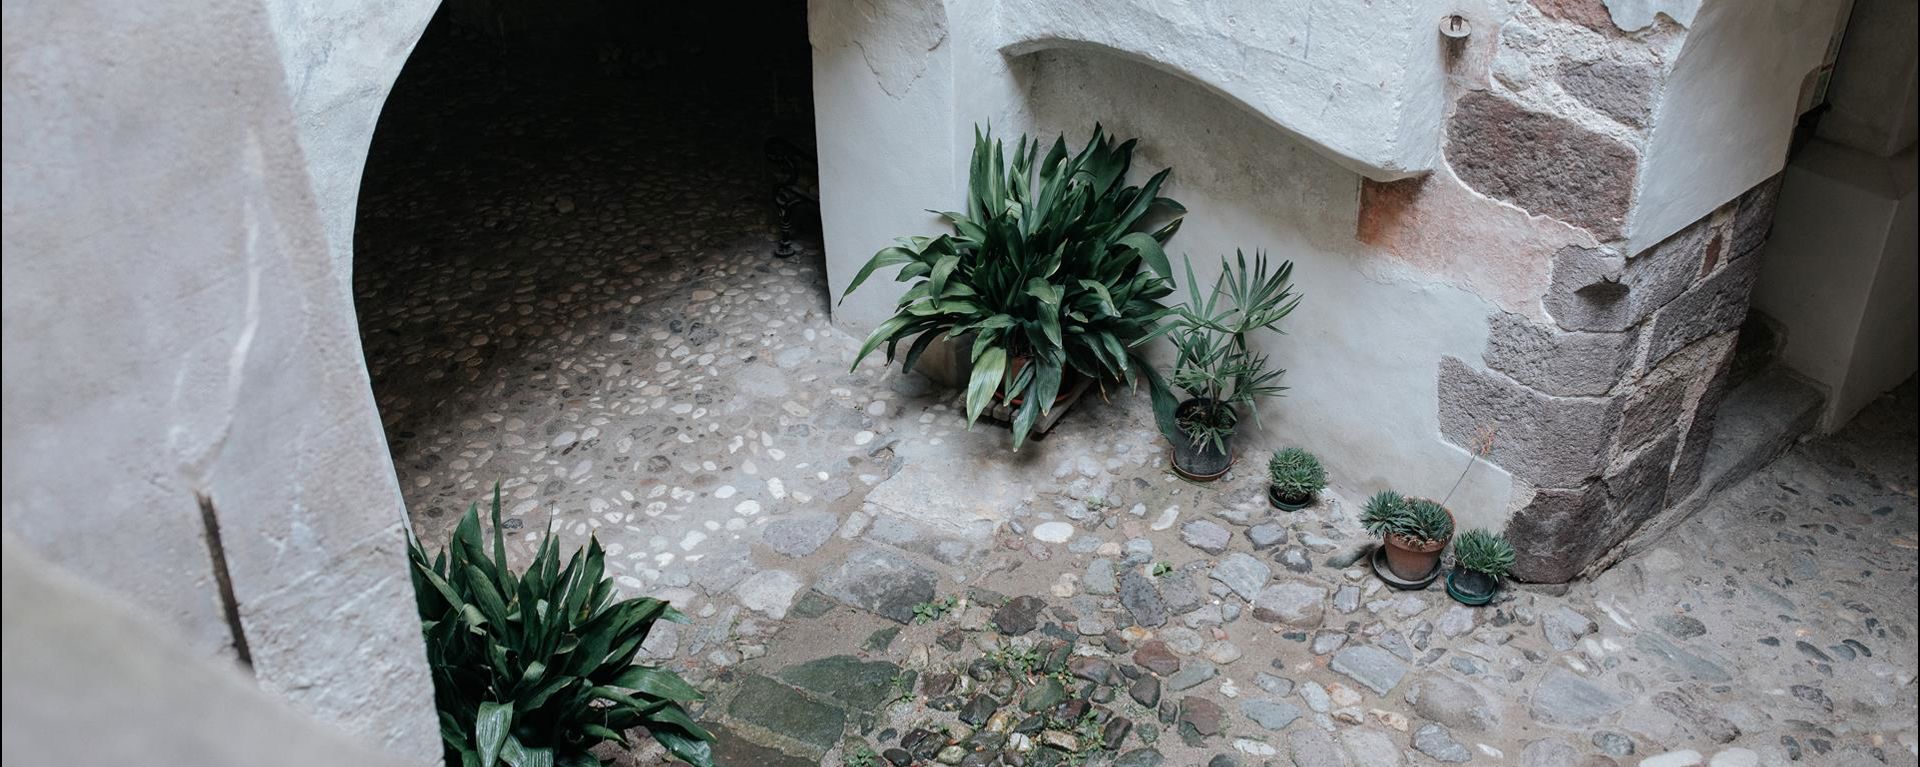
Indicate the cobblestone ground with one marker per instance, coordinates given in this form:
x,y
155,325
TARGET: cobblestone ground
x,y
567,290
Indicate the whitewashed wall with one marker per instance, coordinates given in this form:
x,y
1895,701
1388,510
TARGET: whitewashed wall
x,y
176,330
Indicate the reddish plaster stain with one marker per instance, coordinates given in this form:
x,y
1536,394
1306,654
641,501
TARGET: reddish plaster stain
x,y
1383,205
1712,259
1591,14
1438,226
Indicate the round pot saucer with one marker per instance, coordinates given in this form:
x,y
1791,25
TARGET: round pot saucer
x,y
1284,506
1191,477
1466,597
1380,568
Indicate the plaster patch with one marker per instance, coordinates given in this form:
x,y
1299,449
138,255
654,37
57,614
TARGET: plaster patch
x,y
1453,234
1635,15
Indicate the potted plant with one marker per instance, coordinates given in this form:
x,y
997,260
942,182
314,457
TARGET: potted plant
x,y
1054,276
1293,477
1413,531
538,667
1480,560
1216,367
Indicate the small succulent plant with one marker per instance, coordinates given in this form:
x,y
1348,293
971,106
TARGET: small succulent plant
x,y
1428,521
1296,474
1385,513
1484,552
1390,513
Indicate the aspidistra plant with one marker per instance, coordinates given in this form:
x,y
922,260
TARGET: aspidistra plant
x,y
534,669
1053,273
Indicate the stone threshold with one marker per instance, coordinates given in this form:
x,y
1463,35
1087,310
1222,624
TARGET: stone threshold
x,y
1758,421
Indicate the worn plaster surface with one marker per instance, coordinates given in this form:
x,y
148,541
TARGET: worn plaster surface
x,y
181,363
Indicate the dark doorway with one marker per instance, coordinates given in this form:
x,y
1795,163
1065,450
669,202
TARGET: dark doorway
x,y
547,185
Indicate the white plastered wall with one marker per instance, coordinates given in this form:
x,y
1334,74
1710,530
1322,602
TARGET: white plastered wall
x,y
1839,275
1363,349
1840,268
1727,110
1317,97
175,330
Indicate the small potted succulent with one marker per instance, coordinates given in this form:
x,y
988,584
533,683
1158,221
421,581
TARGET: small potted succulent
x,y
1480,560
1294,476
1413,532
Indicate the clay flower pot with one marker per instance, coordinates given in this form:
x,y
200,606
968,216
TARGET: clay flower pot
x,y
1413,559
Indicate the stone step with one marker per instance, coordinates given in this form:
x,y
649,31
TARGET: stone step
x,y
1757,422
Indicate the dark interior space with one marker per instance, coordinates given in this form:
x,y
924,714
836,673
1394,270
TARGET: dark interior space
x,y
546,186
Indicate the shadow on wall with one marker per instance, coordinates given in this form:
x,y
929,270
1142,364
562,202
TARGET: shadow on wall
x,y
1364,348
170,705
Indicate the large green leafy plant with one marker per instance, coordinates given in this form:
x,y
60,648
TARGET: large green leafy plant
x,y
533,670
1214,364
1051,269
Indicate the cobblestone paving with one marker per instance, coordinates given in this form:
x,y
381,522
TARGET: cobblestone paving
x,y
571,294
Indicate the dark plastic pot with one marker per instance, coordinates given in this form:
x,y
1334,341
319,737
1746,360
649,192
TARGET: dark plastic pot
x,y
1471,587
1199,462
1284,504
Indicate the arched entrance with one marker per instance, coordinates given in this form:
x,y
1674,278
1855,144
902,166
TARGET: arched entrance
x,y
565,253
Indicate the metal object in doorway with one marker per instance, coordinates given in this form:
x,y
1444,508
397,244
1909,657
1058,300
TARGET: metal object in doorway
x,y
787,164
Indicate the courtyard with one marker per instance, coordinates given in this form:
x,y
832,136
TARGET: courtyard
x,y
596,321
978,383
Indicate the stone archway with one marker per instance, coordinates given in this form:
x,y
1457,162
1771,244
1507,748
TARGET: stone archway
x,y
546,217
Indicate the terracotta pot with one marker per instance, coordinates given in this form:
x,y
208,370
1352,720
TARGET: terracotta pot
x,y
1412,559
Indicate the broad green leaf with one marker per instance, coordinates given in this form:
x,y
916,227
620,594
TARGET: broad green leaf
x,y
892,256
880,335
604,733
1150,252
692,750
490,727
520,756
942,269
988,368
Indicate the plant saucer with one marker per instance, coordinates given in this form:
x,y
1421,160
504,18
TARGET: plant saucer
x,y
1380,568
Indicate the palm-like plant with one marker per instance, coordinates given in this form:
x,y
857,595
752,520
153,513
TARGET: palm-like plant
x,y
1052,273
533,670
1214,364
